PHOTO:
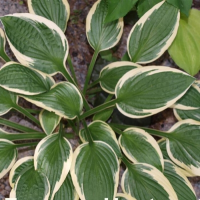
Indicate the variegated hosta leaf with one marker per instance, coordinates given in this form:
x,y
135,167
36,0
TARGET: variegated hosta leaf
x,y
57,11
31,185
102,36
24,80
187,114
3,54
67,190
179,181
146,91
191,100
111,74
36,42
8,156
53,157
64,99
185,49
152,35
121,196
162,144
19,168
7,101
48,121
183,145
143,6
100,131
140,147
145,182
95,171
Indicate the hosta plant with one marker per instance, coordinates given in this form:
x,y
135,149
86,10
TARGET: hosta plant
x,y
154,169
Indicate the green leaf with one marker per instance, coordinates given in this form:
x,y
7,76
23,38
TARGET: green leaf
x,y
3,54
24,80
103,115
19,168
145,5
53,157
163,148
64,99
36,42
187,114
191,100
67,190
8,156
118,9
140,147
31,185
146,91
145,182
102,36
7,101
179,181
100,131
183,145
115,70
121,196
185,49
95,171
108,56
48,121
152,35
183,5
57,11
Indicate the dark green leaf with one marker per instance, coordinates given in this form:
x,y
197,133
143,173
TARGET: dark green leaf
x,y
100,131
31,185
118,9
7,101
8,156
179,181
24,80
145,182
19,168
48,121
145,5
183,5
95,171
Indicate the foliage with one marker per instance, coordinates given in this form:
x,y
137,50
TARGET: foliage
x,y
154,170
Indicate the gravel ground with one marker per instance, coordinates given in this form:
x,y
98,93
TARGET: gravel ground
x,y
81,54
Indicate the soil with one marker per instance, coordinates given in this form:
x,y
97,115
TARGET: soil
x,y
81,54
